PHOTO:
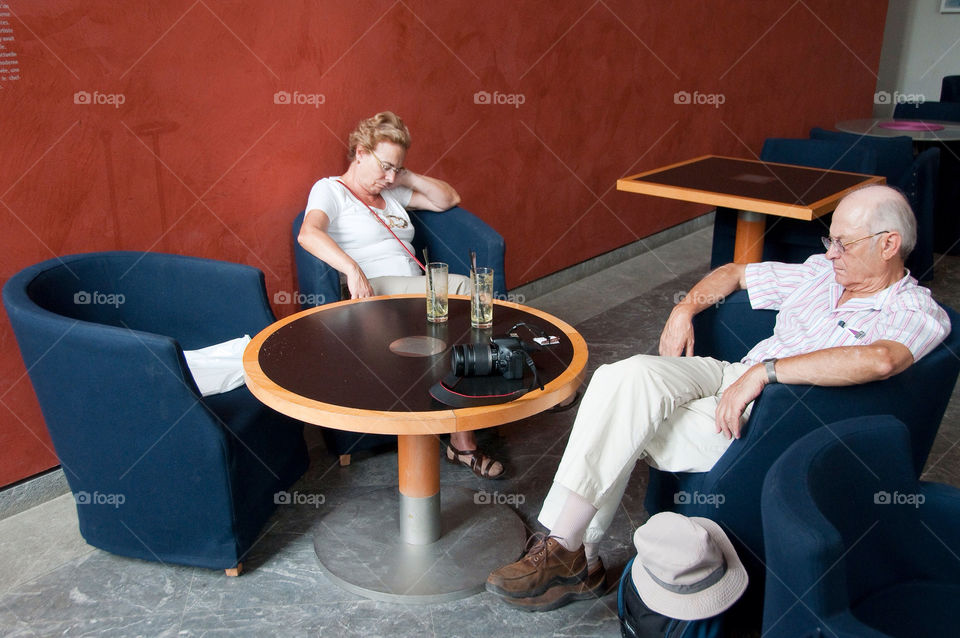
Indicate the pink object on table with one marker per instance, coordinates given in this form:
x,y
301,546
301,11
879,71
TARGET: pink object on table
x,y
911,125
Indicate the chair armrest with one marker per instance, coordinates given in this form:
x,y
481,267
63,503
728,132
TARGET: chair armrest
x,y
808,566
318,282
729,329
452,234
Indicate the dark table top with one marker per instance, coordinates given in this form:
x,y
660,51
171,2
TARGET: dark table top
x,y
763,187
339,357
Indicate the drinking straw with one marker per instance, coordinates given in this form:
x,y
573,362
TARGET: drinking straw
x,y
426,260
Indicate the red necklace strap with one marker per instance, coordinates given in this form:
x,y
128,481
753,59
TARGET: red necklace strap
x,y
384,224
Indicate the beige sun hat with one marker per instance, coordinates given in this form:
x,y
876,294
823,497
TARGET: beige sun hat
x,y
686,568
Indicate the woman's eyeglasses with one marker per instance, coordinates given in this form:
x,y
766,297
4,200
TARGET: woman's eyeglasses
x,y
388,168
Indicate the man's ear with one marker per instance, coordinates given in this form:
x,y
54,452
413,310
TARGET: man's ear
x,y
890,245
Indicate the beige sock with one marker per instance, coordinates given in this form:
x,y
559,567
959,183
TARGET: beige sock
x,y
571,523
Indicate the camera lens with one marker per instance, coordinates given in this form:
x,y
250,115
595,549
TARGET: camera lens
x,y
474,360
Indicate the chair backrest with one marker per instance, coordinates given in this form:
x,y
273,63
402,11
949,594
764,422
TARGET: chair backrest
x,y
921,189
186,298
944,111
827,154
894,154
950,88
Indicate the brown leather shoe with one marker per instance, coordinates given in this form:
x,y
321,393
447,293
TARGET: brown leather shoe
x,y
547,564
557,596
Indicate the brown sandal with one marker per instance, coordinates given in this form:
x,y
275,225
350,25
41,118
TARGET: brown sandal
x,y
479,463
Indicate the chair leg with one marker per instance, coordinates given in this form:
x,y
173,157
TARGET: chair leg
x,y
234,571
344,460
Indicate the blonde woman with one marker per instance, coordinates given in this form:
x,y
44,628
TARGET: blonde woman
x,y
358,224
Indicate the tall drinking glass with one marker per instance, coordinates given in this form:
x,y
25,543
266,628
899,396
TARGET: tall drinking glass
x,y
481,297
437,299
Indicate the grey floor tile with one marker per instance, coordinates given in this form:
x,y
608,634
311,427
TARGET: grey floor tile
x,y
39,540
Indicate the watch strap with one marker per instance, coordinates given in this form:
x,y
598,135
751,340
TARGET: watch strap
x,y
770,364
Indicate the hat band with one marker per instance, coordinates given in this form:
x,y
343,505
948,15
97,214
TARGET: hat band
x,y
711,579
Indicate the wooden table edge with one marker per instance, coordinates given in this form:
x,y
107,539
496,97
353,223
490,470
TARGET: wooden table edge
x,y
684,193
396,422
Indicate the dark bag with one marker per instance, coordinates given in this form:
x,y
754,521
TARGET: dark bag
x,y
639,621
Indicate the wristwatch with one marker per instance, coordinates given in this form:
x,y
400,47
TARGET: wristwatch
x,y
769,364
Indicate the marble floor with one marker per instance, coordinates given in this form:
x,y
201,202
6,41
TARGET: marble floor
x,y
52,583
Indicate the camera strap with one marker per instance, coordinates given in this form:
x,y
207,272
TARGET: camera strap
x,y
445,391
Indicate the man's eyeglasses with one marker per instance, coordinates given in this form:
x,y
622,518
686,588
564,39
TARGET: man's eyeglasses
x,y
842,246
388,168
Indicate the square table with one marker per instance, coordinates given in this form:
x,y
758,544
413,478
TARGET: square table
x,y
751,187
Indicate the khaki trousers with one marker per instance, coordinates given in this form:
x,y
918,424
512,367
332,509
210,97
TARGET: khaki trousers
x,y
456,285
659,408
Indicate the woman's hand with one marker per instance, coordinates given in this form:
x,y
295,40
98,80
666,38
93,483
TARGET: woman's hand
x,y
357,284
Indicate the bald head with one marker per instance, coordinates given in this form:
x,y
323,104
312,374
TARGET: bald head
x,y
878,208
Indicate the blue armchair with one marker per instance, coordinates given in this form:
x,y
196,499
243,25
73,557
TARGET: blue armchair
x,y
449,237
730,492
158,472
856,546
792,240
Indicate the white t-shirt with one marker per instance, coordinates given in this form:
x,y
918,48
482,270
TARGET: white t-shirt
x,y
360,235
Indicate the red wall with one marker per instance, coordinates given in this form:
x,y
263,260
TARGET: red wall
x,y
200,160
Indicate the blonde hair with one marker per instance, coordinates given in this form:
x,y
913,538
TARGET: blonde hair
x,y
382,127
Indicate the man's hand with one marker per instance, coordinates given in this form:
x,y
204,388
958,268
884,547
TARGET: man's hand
x,y
737,397
677,336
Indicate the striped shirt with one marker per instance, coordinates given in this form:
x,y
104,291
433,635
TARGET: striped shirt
x,y
806,296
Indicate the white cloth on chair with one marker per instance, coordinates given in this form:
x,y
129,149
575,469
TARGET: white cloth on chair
x,y
218,368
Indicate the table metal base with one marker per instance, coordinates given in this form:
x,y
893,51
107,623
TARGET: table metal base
x,y
359,547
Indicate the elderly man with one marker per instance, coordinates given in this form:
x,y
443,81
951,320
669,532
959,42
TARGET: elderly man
x,y
850,316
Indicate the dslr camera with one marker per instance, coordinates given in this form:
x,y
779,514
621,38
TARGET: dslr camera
x,y
503,355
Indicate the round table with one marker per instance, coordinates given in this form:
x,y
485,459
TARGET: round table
x,y
366,366
874,127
